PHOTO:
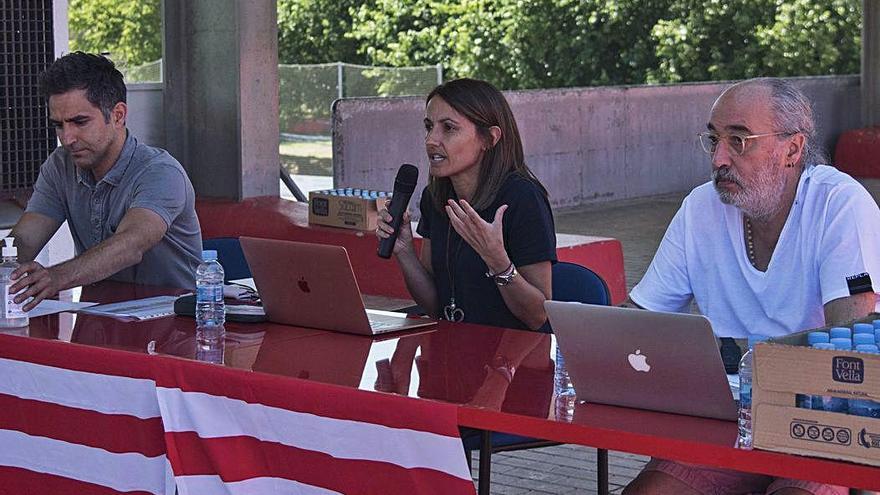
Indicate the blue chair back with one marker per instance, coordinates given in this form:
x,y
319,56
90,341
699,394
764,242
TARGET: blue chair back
x,y
230,255
576,283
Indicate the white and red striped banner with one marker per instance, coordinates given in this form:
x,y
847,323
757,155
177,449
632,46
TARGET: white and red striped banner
x,y
86,420
249,433
78,420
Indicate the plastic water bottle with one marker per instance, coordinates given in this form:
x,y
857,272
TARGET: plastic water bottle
x,y
817,337
211,352
11,315
828,402
566,400
840,333
745,393
863,328
210,311
865,407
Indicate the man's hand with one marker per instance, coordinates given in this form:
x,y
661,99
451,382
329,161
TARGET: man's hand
x,y
32,280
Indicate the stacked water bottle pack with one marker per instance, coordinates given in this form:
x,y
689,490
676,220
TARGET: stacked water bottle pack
x,y
862,337
348,207
355,192
814,393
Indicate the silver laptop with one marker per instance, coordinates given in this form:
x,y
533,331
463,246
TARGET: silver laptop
x,y
313,285
665,362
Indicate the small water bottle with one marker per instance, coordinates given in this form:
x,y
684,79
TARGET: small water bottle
x,y
865,407
11,315
211,352
745,393
210,311
566,400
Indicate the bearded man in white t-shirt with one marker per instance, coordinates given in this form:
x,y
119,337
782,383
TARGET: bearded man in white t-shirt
x,y
774,244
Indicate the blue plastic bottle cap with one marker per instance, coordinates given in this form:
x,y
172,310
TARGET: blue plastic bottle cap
x,y
816,337
209,254
871,348
863,338
823,345
863,328
842,344
840,332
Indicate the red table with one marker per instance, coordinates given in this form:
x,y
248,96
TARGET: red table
x,y
451,363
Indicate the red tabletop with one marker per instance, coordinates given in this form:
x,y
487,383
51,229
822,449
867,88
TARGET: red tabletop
x,y
452,363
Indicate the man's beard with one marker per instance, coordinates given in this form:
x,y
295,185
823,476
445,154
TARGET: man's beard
x,y
760,199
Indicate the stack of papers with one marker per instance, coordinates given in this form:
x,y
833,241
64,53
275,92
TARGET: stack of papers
x,y
138,309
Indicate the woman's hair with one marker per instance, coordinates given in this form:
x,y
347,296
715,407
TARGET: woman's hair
x,y
484,106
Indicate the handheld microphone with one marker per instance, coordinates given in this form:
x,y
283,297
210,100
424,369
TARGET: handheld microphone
x,y
404,185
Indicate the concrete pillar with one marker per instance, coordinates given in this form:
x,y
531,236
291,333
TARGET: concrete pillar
x,y
870,62
221,94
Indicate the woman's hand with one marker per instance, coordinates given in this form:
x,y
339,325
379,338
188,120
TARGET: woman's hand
x,y
487,239
404,242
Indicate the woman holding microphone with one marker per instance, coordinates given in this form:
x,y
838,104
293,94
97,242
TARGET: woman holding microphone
x,y
489,237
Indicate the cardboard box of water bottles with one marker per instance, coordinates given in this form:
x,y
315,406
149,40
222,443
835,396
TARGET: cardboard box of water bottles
x,y
348,208
817,398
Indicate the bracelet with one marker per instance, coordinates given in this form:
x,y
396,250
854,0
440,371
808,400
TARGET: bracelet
x,y
503,367
504,277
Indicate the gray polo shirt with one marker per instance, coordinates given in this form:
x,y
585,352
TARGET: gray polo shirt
x,y
142,177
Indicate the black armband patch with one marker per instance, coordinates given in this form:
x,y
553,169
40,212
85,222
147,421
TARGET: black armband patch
x,y
859,283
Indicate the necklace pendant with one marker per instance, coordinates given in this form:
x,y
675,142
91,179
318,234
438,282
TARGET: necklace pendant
x,y
453,313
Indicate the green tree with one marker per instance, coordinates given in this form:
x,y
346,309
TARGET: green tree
x,y
718,39
811,37
314,31
711,40
130,31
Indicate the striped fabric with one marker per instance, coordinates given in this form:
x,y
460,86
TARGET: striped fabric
x,y
78,420
85,420
249,433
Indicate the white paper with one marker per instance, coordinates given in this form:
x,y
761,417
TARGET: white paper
x,y
51,306
138,309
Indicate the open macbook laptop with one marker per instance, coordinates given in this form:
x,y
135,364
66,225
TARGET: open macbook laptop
x,y
642,359
313,285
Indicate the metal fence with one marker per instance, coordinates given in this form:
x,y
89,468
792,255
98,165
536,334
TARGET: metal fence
x,y
26,49
308,90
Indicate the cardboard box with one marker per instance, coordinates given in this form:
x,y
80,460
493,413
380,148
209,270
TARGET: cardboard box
x,y
785,367
349,211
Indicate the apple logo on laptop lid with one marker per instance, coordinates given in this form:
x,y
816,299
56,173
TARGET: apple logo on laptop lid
x,y
639,361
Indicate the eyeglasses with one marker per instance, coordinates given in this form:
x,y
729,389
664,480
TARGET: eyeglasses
x,y
736,142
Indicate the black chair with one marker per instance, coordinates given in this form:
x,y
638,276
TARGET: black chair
x,y
571,282
230,255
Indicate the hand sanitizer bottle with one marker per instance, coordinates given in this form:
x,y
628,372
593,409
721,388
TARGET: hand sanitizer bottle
x,y
11,315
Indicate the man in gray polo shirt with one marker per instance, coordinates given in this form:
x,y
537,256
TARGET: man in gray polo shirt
x,y
130,207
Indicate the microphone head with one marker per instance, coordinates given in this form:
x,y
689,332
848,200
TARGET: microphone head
x,y
407,176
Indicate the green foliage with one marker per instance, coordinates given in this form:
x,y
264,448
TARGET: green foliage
x,y
718,39
813,37
131,31
529,43
314,31
559,43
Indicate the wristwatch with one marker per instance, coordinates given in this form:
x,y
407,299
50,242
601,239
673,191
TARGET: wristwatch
x,y
505,277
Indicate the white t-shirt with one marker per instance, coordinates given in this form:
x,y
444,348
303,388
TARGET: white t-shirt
x,y
829,248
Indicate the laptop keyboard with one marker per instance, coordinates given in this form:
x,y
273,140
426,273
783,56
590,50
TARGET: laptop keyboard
x,y
380,325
